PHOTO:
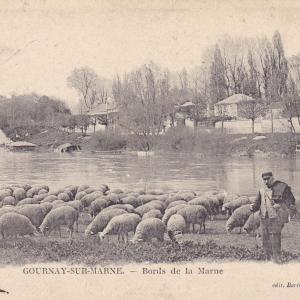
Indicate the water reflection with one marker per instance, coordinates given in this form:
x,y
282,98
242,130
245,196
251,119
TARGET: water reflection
x,y
166,171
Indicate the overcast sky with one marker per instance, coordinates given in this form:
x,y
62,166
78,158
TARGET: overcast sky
x,y
41,41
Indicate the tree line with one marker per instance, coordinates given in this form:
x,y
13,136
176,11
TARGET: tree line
x,y
149,95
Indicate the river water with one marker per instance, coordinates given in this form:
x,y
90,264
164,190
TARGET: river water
x,y
167,171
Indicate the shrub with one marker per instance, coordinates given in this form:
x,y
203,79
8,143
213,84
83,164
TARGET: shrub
x,y
106,141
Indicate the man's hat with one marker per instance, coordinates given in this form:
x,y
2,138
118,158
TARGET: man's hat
x,y
266,174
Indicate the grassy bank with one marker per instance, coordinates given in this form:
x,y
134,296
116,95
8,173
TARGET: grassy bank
x,y
215,244
213,143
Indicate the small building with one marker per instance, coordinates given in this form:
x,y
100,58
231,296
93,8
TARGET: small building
x,y
231,106
20,146
104,114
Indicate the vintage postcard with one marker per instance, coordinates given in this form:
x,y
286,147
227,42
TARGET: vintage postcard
x,y
149,149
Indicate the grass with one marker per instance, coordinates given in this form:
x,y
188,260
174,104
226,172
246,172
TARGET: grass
x,y
215,244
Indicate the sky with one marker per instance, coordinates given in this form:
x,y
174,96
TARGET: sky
x,y
42,41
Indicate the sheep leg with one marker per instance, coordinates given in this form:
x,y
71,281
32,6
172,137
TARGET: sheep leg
x,y
59,231
126,237
193,227
77,226
200,228
203,227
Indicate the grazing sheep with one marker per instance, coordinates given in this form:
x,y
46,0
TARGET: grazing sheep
x,y
58,191
252,223
28,201
5,193
148,229
238,218
64,215
9,200
116,191
121,225
162,198
88,199
228,197
132,200
33,191
13,224
177,202
40,197
127,207
80,195
26,187
103,188
171,211
6,209
102,219
141,210
147,198
57,203
96,206
46,206
75,204
154,204
19,194
82,188
176,226
72,189
231,206
49,198
155,192
194,214
42,191
64,197
153,213
69,193
34,212
112,198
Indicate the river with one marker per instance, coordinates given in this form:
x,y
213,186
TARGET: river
x,y
167,171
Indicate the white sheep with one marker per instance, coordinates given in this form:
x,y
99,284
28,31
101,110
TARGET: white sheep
x,y
49,198
238,217
231,206
27,201
194,214
9,200
19,194
129,208
121,225
102,219
64,215
171,211
34,212
176,226
13,224
153,213
252,223
96,206
148,229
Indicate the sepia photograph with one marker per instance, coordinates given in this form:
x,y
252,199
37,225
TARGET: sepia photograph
x,y
149,149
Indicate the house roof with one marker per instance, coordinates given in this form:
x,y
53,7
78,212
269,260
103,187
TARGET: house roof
x,y
187,104
234,99
103,108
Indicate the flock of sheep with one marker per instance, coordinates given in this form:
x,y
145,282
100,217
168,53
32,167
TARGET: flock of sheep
x,y
33,210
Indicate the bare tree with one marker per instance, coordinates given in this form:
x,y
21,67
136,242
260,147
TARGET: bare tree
x,y
89,87
252,110
142,98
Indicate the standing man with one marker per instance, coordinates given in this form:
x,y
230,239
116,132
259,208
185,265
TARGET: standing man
x,y
274,202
